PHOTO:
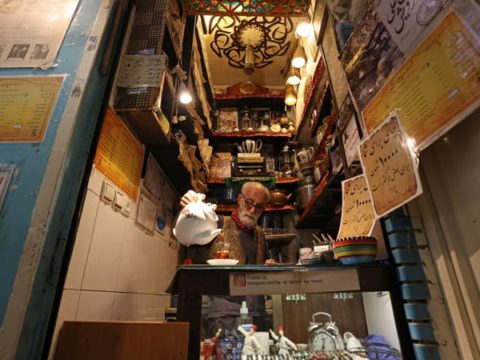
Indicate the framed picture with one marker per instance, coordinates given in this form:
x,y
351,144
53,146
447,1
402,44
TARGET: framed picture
x,y
319,19
146,213
5,176
154,178
349,130
227,120
345,15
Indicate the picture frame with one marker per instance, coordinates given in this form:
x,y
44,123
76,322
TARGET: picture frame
x,y
6,173
319,19
349,131
227,120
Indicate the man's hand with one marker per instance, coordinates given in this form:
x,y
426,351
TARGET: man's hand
x,y
191,196
270,262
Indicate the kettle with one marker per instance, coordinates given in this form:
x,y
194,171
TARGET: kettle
x,y
197,224
250,146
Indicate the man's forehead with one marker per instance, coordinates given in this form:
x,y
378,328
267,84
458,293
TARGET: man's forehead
x,y
256,192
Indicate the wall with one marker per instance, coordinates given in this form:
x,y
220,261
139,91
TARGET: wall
x,y
117,272
450,212
36,216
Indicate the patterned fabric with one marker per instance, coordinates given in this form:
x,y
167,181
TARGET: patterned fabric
x,y
231,233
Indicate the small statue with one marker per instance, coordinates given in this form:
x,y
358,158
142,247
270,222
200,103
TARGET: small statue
x,y
284,344
251,346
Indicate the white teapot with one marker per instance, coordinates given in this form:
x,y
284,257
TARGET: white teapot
x,y
197,223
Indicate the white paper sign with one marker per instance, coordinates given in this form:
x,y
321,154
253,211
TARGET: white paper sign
x,y
141,71
269,283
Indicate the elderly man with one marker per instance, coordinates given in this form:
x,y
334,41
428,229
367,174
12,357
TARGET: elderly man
x,y
247,244
246,238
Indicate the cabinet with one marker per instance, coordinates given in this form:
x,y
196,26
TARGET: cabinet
x,y
194,281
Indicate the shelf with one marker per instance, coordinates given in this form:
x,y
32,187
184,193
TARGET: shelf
x,y
249,134
222,208
320,211
288,180
280,239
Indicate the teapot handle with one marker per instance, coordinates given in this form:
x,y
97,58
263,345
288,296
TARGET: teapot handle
x,y
258,145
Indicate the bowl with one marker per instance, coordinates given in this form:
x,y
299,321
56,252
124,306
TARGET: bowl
x,y
356,250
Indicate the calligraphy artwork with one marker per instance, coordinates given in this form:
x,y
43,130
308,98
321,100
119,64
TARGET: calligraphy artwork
x,y
436,87
358,216
390,167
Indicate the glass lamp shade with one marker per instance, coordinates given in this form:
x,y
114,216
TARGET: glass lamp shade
x,y
290,96
304,29
299,58
294,76
184,95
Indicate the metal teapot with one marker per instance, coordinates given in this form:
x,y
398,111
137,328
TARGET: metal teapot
x,y
250,146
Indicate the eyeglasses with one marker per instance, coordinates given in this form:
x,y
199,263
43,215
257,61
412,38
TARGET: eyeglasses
x,y
251,204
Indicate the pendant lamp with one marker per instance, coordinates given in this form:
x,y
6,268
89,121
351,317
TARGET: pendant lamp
x,y
299,58
290,95
294,76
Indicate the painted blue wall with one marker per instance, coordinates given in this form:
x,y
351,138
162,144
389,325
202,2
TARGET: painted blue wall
x,y
31,161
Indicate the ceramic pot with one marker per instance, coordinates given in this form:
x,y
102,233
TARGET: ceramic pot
x,y
197,224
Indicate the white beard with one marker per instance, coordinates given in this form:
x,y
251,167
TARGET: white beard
x,y
247,219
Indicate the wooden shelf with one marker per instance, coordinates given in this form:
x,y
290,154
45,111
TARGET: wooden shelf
x,y
247,134
231,207
320,210
287,180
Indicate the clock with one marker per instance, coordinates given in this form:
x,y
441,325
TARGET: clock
x,y
321,340
324,336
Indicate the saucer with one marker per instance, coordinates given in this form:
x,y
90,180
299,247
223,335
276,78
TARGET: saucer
x,y
222,262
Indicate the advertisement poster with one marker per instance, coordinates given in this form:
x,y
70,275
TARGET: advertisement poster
x,y
146,213
351,140
154,179
26,105
292,282
31,31
435,86
369,57
390,167
358,216
119,156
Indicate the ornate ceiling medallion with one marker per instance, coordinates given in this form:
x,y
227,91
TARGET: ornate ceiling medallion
x,y
247,7
268,36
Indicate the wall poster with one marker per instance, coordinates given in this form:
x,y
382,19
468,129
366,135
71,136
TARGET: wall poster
x,y
146,213
31,32
437,84
358,216
154,180
390,167
119,155
26,105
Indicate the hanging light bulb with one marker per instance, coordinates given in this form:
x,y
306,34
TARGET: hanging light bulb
x,y
294,76
249,65
184,95
299,58
290,96
304,29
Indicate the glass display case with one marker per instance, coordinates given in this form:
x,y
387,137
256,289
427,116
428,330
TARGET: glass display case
x,y
352,303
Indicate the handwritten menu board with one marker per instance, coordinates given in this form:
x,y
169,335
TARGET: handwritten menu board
x,y
119,156
389,167
358,217
141,70
26,105
435,86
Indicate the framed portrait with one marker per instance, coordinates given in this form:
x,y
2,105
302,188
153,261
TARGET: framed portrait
x,y
349,131
227,120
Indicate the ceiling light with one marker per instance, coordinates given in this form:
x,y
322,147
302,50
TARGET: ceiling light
x,y
184,95
249,65
294,76
299,58
290,96
304,29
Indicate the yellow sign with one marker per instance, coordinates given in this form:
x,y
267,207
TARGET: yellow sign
x,y
389,167
435,86
26,105
119,156
357,209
